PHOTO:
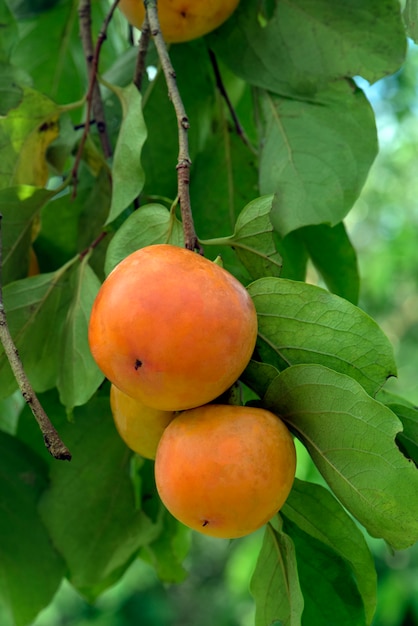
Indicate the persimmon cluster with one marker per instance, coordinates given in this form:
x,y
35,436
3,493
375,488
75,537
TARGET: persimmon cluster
x,y
173,331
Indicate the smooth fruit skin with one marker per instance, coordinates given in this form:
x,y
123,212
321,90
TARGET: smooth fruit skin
x,y
182,20
225,470
172,329
139,426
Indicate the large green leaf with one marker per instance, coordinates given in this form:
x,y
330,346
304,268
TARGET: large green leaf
x,y
30,568
253,239
90,509
319,515
35,309
78,375
351,438
127,173
148,225
275,582
301,323
304,44
315,156
19,206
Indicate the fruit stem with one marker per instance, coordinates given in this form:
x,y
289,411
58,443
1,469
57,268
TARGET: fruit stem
x,y
51,438
184,162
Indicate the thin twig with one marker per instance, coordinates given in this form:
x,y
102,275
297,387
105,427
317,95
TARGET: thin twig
x,y
220,85
144,40
183,163
93,97
51,438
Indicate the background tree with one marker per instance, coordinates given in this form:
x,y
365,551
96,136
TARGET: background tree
x,y
282,139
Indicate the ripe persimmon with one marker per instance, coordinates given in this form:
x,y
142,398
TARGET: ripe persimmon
x,y
171,328
182,20
139,426
225,470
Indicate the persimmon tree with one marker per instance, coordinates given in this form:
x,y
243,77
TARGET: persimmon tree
x,y
264,153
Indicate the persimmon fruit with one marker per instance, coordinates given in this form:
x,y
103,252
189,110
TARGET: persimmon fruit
x,y
225,470
171,328
138,425
182,20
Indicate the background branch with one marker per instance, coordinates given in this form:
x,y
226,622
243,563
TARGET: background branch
x,y
183,163
140,66
51,438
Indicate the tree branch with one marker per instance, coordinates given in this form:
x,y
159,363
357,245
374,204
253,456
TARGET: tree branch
x,y
140,66
183,163
93,97
51,438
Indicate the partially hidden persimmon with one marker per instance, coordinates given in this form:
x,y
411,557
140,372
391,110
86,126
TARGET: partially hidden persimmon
x,y
171,328
182,20
225,470
139,426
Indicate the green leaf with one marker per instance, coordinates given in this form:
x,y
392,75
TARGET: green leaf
x,y
351,438
25,134
408,438
148,225
329,591
275,583
127,173
318,514
258,376
19,206
11,93
89,508
35,309
253,239
315,156
301,323
30,568
167,552
335,258
304,44
9,33
78,376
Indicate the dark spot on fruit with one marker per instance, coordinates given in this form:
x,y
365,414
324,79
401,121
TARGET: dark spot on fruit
x,y
138,364
205,523
183,13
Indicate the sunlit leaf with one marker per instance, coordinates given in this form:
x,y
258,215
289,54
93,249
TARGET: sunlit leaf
x,y
351,438
301,323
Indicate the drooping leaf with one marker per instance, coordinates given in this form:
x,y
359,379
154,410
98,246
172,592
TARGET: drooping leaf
x,y
25,134
30,568
318,514
127,173
275,582
253,239
408,438
293,50
301,323
148,225
96,526
35,309
78,376
19,206
334,257
351,438
315,155
330,594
